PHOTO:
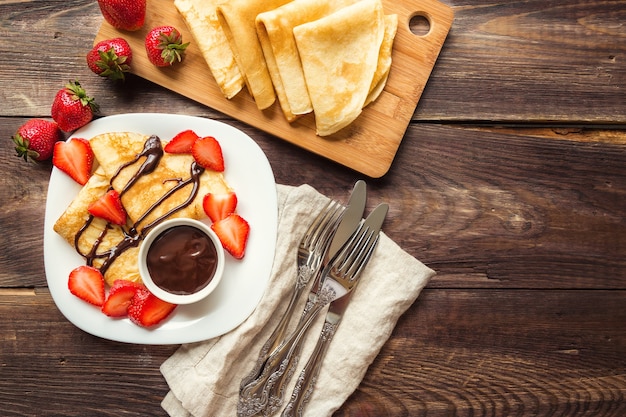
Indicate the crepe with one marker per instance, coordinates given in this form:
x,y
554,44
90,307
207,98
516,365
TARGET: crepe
x,y
384,59
275,32
237,18
122,149
201,19
74,219
339,55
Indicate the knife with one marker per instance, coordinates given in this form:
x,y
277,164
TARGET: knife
x,y
308,376
264,389
352,216
350,219
281,364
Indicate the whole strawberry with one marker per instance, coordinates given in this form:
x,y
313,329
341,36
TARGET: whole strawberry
x,y
35,139
124,14
72,108
110,58
164,45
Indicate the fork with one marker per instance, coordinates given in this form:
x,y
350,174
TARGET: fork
x,y
265,393
308,376
311,251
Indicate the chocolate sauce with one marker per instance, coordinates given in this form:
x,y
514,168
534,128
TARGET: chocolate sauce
x,y
182,260
152,152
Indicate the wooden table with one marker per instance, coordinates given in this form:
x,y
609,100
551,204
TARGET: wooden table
x,y
510,183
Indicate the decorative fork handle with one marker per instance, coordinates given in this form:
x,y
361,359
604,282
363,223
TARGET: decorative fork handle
x,y
277,336
265,393
308,376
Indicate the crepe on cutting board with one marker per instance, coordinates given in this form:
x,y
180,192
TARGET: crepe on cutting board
x,y
237,18
261,36
201,19
275,32
339,55
115,150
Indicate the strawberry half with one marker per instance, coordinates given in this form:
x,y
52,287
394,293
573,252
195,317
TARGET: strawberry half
x,y
87,283
182,142
207,151
75,158
219,206
147,310
233,232
109,207
120,296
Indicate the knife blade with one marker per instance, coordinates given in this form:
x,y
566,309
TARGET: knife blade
x,y
351,218
308,376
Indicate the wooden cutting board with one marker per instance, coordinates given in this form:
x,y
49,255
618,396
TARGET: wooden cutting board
x,y
369,144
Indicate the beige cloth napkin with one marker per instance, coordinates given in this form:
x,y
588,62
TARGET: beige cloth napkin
x,y
204,377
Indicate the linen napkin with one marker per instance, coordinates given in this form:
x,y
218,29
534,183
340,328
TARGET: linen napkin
x,y
204,377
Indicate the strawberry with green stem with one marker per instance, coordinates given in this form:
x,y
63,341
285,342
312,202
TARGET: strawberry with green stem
x,y
72,108
110,58
35,139
164,46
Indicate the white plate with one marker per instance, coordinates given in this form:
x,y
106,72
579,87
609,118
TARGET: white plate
x,y
247,171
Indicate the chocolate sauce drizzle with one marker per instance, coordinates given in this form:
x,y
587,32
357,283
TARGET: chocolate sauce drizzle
x,y
152,152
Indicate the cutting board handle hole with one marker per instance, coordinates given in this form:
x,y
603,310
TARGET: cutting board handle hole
x,y
419,24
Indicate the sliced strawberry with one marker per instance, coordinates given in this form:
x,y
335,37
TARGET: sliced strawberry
x,y
87,283
207,151
182,142
233,232
120,295
109,207
219,206
75,158
147,310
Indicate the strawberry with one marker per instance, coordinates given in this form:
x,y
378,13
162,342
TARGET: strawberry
x,y
87,283
147,310
164,45
233,232
109,207
75,158
182,142
72,108
208,153
120,296
35,139
219,206
124,14
110,58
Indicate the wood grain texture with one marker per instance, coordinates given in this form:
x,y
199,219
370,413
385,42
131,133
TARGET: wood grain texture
x,y
509,182
497,353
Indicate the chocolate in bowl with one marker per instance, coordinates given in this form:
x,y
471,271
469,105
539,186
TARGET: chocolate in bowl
x,y
181,261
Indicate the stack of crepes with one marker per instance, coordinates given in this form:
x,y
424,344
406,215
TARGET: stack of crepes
x,y
329,57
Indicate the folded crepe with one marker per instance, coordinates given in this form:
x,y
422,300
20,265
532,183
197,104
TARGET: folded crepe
x,y
76,218
201,19
237,18
275,32
339,55
384,59
153,185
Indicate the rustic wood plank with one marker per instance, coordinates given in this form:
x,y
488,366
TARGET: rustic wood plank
x,y
484,207
531,61
494,352
561,61
517,352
